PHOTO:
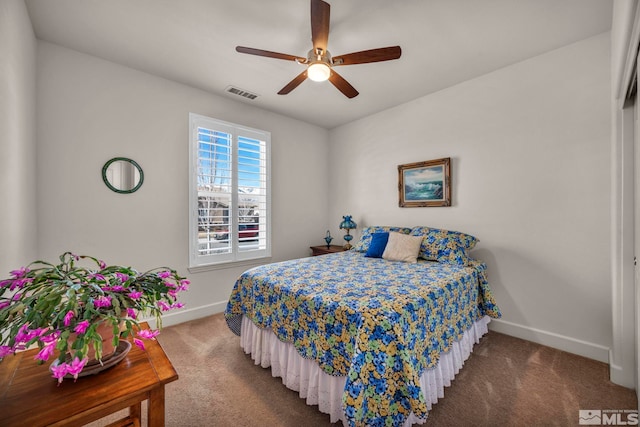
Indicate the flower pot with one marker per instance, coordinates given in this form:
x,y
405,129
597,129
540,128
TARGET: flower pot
x,y
94,366
105,330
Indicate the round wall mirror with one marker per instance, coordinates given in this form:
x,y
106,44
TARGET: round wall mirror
x,y
122,175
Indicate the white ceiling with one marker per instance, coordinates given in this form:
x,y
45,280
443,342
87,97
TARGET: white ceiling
x,y
444,42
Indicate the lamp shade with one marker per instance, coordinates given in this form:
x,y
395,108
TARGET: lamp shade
x,y
348,223
318,71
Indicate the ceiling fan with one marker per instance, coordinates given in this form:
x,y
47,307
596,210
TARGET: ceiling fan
x,y
319,61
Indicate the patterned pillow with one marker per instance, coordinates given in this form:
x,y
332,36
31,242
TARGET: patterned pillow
x,y
448,247
402,247
378,245
365,239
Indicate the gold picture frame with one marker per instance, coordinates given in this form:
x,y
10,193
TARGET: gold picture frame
x,y
425,184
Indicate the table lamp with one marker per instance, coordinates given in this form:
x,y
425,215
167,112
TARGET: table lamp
x,y
347,224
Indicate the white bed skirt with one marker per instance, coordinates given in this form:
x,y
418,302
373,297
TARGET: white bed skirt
x,y
324,390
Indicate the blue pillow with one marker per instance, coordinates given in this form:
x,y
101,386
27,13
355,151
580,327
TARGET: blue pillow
x,y
377,245
367,232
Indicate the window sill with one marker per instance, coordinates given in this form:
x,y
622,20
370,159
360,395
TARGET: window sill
x,y
231,264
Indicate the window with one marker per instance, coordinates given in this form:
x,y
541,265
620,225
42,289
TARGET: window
x,y
229,192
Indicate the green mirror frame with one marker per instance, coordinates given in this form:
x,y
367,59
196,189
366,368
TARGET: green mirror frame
x,y
135,182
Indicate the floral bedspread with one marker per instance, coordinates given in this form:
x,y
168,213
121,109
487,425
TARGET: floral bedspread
x,y
379,323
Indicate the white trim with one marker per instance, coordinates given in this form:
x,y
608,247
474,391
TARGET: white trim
x,y
625,38
622,250
561,342
186,315
620,375
199,262
233,264
551,339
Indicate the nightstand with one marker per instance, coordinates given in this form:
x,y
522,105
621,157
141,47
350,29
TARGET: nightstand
x,y
323,250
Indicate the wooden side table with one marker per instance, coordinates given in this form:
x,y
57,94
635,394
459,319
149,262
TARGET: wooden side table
x,y
29,396
323,250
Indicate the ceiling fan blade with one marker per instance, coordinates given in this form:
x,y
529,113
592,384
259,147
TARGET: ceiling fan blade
x,y
293,83
366,56
269,54
320,16
343,86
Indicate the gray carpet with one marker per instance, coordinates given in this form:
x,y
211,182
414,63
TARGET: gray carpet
x,y
505,382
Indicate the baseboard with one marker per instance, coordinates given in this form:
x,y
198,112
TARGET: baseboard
x,y
550,339
185,315
561,342
619,376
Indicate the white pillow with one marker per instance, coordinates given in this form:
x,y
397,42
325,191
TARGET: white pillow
x,y
402,247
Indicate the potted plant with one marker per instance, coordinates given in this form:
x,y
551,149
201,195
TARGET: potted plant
x,y
64,308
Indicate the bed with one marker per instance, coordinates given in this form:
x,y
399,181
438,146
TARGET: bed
x,y
369,339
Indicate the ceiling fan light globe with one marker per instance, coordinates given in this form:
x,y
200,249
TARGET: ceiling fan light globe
x,y
318,72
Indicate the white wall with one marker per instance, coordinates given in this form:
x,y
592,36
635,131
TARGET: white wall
x,y
531,179
18,241
90,110
529,145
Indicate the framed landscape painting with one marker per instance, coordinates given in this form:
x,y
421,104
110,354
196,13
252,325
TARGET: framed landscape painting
x,y
425,183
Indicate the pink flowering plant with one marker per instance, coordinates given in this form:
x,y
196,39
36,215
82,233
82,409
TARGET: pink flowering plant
x,y
59,307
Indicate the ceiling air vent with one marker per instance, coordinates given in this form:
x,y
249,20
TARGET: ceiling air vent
x,y
240,92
